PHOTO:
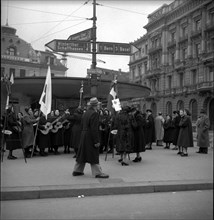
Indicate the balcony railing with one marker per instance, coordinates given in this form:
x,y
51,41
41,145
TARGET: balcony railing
x,y
204,86
154,49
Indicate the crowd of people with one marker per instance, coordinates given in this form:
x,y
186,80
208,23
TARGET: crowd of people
x,y
128,131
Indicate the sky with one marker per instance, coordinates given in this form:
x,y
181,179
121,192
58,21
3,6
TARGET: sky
x,y
39,22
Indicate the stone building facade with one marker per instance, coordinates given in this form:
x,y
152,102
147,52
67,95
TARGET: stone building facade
x,y
20,59
175,58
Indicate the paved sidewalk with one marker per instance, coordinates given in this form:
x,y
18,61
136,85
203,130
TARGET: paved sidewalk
x,y
159,170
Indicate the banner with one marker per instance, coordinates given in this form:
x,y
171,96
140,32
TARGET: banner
x,y
46,97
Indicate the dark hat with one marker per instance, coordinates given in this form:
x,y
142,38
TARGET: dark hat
x,y
175,112
203,111
126,108
149,110
188,112
94,101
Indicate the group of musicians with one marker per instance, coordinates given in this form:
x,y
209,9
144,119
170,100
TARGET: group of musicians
x,y
31,131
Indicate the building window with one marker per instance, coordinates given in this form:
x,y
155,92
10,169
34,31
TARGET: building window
x,y
22,73
169,82
146,49
180,105
194,109
197,49
198,25
11,51
184,31
194,75
184,53
172,59
181,80
154,109
145,66
172,36
210,44
12,71
209,74
169,108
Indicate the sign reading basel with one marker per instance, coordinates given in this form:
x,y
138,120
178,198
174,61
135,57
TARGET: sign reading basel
x,y
114,48
69,46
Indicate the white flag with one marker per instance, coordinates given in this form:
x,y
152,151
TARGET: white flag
x,y
116,104
7,102
46,97
11,79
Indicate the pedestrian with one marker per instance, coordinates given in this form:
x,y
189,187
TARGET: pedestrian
x,y
176,120
202,129
159,130
43,139
150,129
138,124
76,119
168,131
125,135
57,132
185,138
28,130
88,151
13,141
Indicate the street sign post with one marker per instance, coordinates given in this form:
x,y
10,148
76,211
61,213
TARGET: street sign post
x,y
113,48
85,35
69,46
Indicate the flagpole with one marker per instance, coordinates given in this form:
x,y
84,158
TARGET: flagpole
x,y
35,135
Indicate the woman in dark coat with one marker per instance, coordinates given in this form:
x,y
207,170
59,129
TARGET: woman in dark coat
x,y
125,135
168,131
185,138
176,121
88,151
202,128
138,123
57,136
150,129
14,140
43,139
28,130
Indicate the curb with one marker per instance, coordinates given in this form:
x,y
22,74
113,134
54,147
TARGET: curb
x,y
102,188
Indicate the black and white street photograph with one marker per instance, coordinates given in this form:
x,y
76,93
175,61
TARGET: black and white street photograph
x,y
107,109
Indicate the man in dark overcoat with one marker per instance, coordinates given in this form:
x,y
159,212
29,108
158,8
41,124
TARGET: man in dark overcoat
x,y
88,151
150,129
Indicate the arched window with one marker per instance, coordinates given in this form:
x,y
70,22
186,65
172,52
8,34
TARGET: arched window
x,y
11,51
154,108
180,105
169,108
193,107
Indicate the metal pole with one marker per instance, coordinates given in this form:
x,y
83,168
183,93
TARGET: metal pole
x,y
94,61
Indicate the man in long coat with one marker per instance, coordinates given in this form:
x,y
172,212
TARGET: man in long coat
x,y
202,126
88,151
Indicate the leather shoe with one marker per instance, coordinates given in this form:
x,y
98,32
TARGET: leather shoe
x,y
77,173
102,175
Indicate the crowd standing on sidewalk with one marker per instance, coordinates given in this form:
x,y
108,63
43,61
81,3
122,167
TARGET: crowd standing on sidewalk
x,y
93,130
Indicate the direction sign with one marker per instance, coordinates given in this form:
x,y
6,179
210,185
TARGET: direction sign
x,y
113,48
69,46
85,35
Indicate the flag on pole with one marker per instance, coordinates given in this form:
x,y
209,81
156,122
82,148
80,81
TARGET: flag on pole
x,y
46,97
12,79
113,100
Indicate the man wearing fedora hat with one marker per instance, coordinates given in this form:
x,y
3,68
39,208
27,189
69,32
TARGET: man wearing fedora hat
x,y
202,128
88,151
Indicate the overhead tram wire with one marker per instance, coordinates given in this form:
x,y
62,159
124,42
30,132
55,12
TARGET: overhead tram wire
x,y
43,22
61,21
121,9
30,9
